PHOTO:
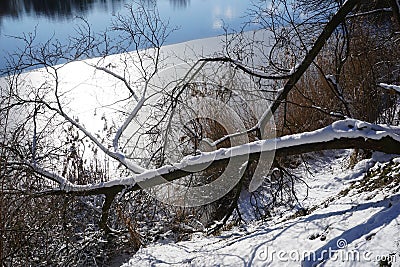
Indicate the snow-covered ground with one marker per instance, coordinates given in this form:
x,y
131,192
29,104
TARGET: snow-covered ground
x,y
351,218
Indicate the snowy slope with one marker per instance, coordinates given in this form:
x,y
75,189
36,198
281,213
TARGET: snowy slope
x,y
366,223
353,219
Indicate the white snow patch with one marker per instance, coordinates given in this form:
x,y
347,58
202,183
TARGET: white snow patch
x,y
357,229
390,87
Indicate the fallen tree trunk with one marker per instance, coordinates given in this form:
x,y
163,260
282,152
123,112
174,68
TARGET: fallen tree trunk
x,y
343,134
339,135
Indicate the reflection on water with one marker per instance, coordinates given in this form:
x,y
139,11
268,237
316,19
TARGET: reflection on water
x,y
56,18
51,9
62,8
179,3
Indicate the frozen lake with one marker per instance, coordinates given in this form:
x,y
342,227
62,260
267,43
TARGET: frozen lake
x,y
195,18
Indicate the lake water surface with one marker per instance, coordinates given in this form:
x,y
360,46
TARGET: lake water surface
x,y
195,18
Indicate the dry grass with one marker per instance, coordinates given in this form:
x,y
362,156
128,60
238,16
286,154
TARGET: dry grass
x,y
373,58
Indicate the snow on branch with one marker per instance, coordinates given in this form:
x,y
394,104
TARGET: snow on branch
x,y
390,87
115,155
348,133
372,12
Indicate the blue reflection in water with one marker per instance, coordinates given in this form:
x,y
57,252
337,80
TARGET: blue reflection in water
x,y
195,18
